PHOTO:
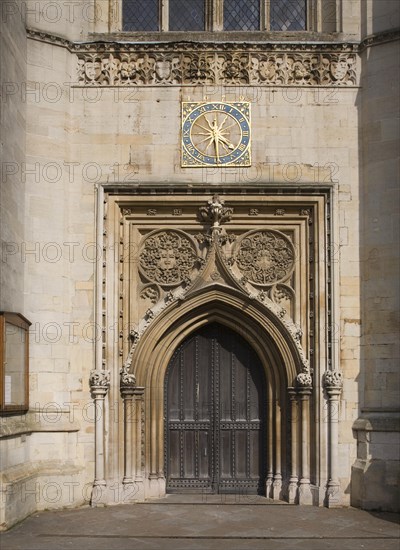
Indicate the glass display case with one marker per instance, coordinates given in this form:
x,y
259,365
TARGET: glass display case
x,y
14,362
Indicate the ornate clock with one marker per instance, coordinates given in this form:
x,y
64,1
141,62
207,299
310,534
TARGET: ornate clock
x,y
216,134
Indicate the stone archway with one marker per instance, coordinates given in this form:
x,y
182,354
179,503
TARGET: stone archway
x,y
281,362
265,277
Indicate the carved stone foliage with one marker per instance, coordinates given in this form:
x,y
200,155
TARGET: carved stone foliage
x,y
257,67
333,379
150,292
265,257
215,212
99,379
167,257
303,380
127,379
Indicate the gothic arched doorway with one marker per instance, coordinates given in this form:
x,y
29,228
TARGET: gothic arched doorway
x,y
215,401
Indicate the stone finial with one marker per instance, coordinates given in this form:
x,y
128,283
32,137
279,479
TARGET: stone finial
x,y
215,212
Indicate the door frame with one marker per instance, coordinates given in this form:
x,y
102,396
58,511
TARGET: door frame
x,y
119,212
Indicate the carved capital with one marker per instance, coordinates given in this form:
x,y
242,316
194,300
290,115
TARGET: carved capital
x,y
99,382
333,382
127,379
304,382
292,393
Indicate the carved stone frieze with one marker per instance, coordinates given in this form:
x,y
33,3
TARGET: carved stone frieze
x,y
208,64
265,257
168,257
234,67
275,63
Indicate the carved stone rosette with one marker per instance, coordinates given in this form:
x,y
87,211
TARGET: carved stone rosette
x,y
167,257
265,257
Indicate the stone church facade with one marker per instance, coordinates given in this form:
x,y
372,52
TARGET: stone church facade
x,y
217,318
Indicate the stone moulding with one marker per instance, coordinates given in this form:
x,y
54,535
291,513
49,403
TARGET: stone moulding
x,y
186,64
379,38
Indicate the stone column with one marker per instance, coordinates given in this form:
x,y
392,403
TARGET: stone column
x,y
333,383
293,480
304,390
127,388
99,382
270,449
139,393
277,484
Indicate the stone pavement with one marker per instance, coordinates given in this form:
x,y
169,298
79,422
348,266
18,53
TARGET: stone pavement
x,y
205,522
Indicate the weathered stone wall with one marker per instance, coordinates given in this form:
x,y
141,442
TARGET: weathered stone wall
x,y
376,471
12,137
42,226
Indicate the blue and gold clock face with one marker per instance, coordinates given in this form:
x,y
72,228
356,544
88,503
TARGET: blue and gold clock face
x,y
216,134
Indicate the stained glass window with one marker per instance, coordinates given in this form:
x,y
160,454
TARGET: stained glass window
x,y
140,15
186,15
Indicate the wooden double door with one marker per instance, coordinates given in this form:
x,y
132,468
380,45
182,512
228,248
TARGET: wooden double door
x,y
215,415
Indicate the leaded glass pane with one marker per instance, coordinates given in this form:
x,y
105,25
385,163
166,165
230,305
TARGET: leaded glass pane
x,y
186,15
288,15
140,15
241,15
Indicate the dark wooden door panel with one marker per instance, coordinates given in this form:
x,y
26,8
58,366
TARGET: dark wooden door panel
x,y
215,414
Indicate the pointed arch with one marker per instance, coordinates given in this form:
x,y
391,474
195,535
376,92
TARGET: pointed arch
x,y
256,323
265,333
